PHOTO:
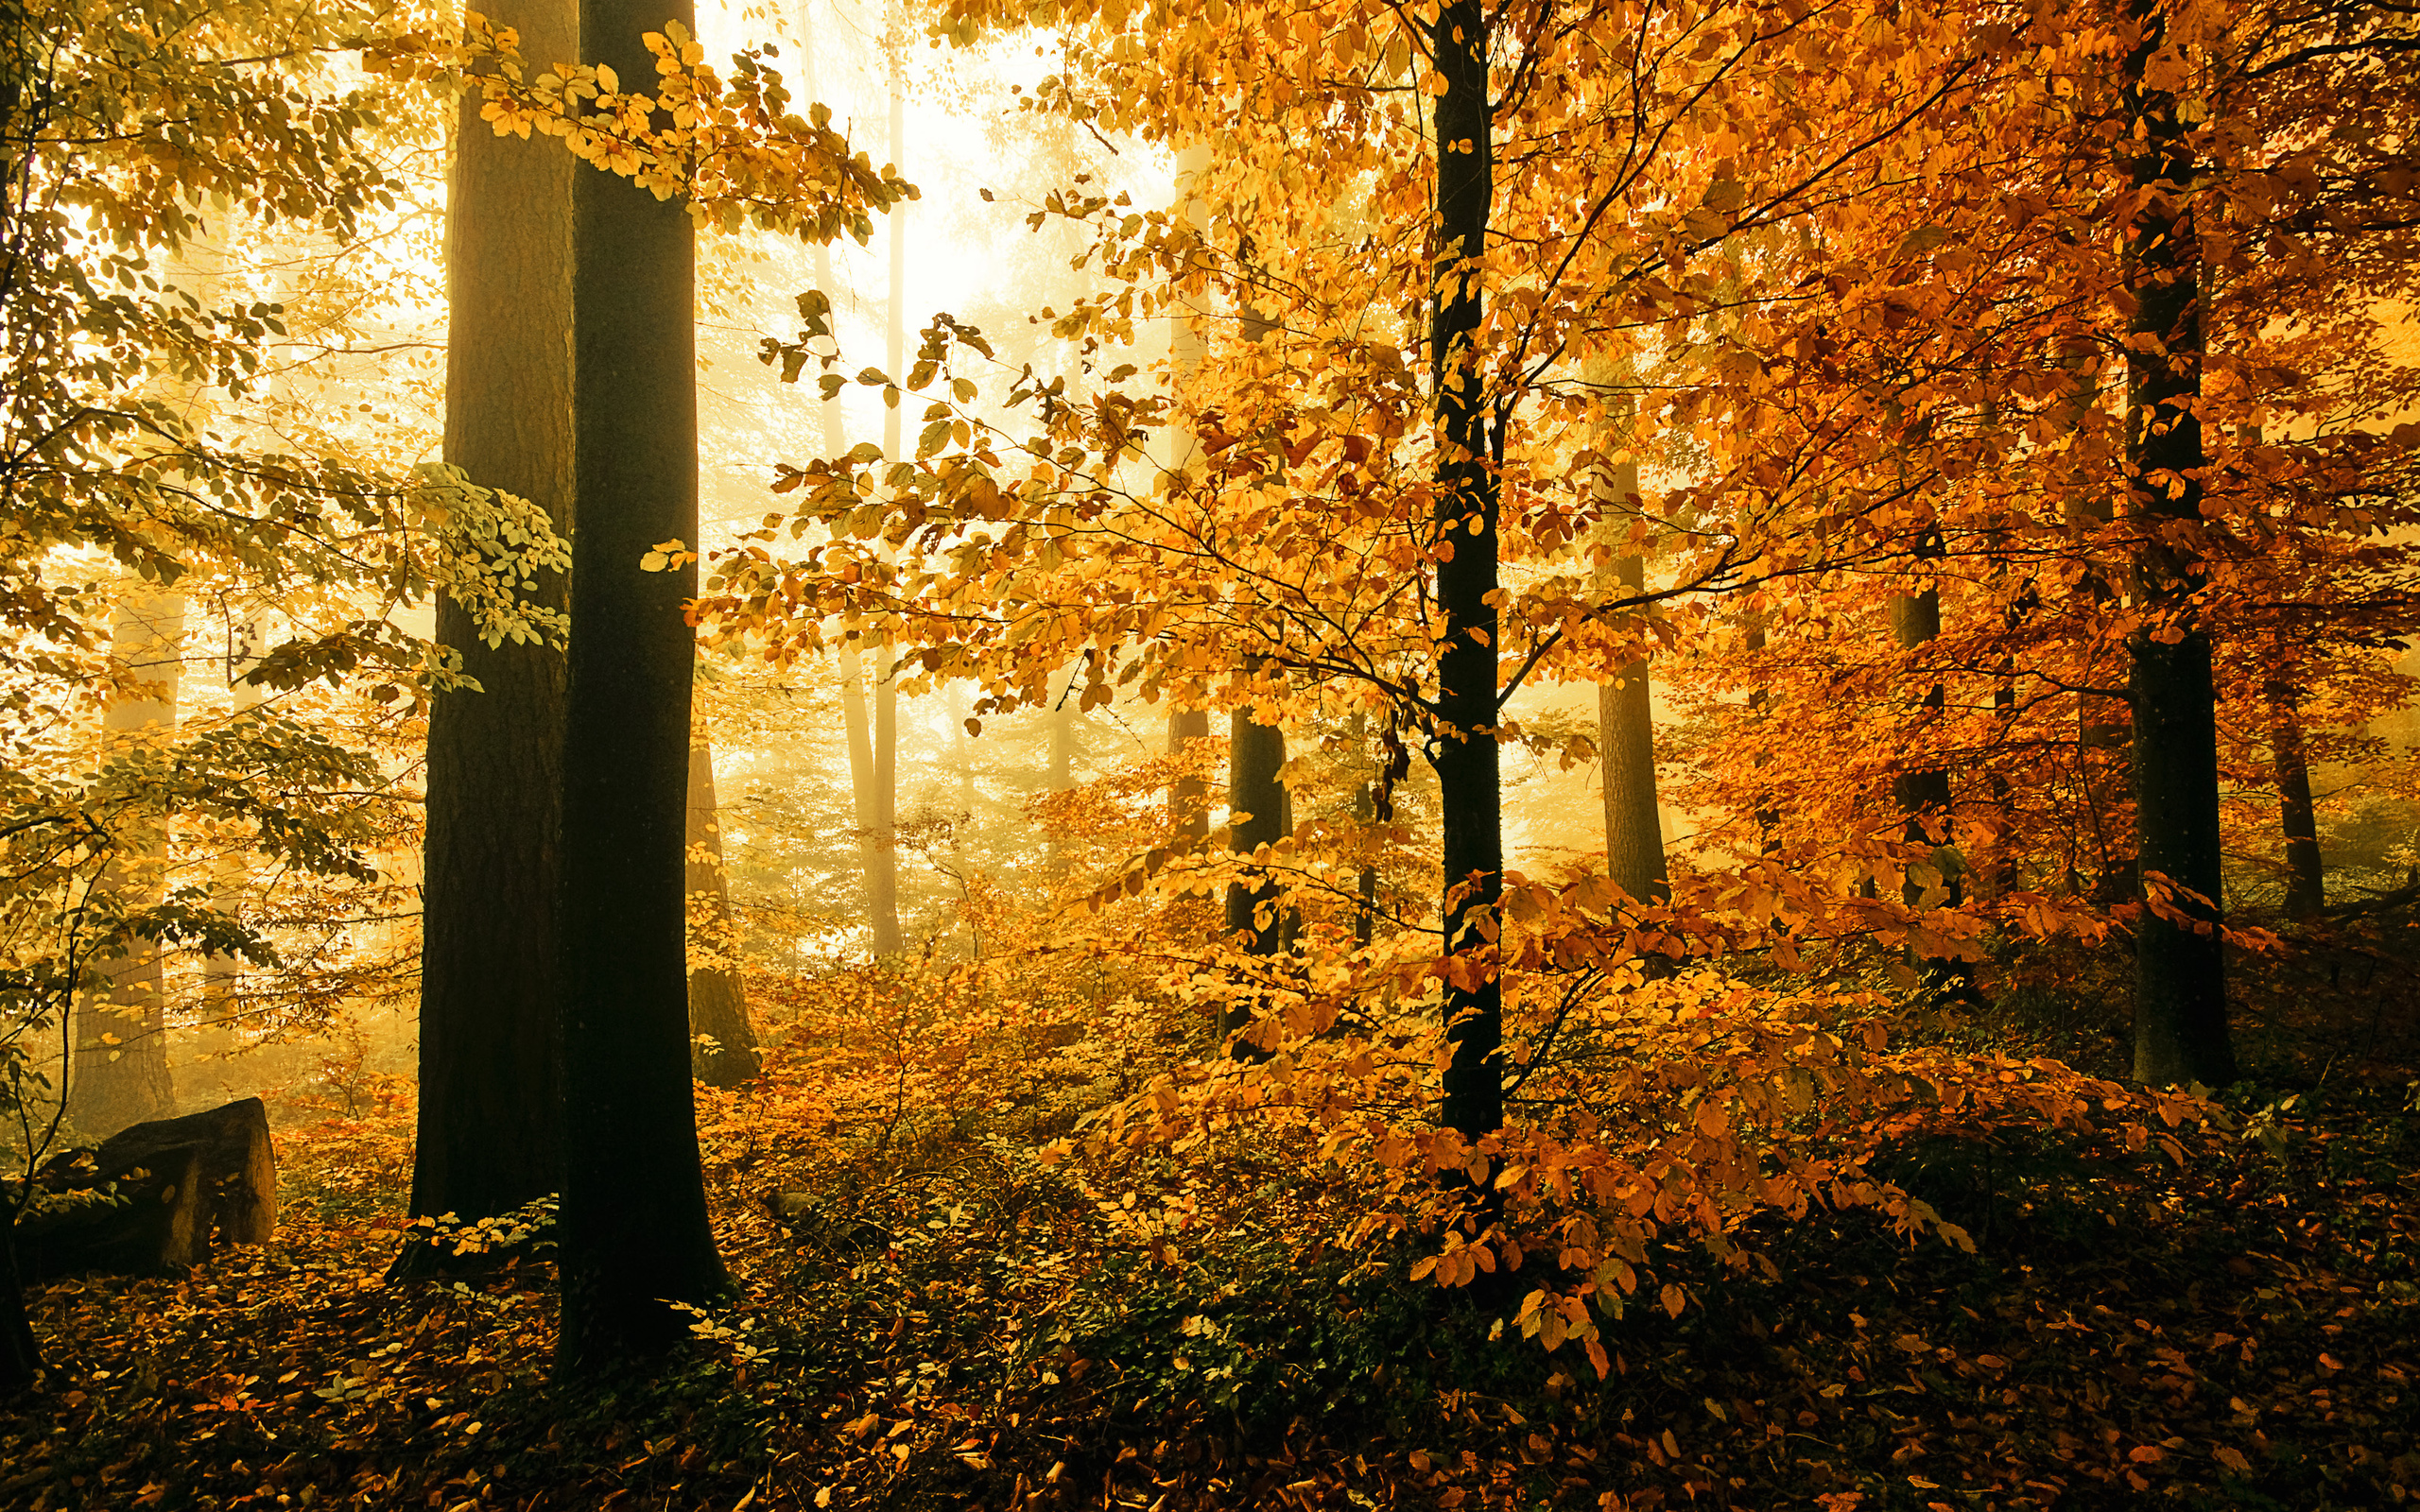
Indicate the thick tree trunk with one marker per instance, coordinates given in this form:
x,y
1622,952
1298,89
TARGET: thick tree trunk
x,y
723,1043
635,1241
1062,775
120,1071
1464,752
490,1114
2180,974
2306,877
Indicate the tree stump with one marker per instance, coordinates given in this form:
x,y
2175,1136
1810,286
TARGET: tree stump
x,y
155,1197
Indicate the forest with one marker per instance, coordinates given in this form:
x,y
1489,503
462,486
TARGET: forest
x,y
1388,754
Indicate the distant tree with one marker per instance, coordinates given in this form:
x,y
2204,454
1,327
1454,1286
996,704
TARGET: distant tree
x,y
120,1071
723,1043
1626,739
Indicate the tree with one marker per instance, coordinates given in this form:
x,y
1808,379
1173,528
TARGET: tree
x,y
723,1045
1626,739
131,134
491,1121
120,1071
873,786
636,1242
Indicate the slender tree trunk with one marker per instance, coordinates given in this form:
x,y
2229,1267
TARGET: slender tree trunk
x,y
1255,754
1464,752
1257,799
120,1073
1924,794
490,1004
2104,728
2306,878
871,770
635,1237
222,976
1188,797
718,993
962,753
1626,739
1367,799
2180,974
1060,727
882,877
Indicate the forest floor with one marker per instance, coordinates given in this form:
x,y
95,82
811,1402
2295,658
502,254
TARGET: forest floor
x,y
954,1329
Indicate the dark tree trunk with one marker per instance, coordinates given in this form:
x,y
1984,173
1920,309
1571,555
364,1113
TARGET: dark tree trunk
x,y
490,1116
2306,878
718,993
1256,753
1626,738
635,1240
2180,974
1188,797
1464,751
20,1351
1924,794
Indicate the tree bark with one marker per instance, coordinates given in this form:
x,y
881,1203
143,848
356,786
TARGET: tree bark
x,y
873,780
222,976
2180,974
1464,751
718,993
490,1089
20,1351
1626,743
635,1240
2306,877
120,1071
1188,797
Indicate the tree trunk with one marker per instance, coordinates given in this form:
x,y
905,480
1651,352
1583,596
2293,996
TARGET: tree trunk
x,y
1062,775
2180,974
882,879
2306,878
873,781
120,1073
491,1113
718,993
1626,738
222,976
635,1241
1188,797
1464,752
1924,794
20,1351
2102,728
